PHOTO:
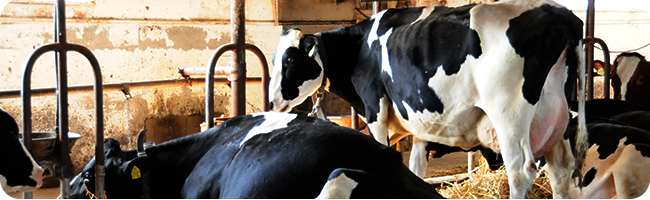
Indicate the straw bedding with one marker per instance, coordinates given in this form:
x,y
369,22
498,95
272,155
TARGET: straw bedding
x,y
487,184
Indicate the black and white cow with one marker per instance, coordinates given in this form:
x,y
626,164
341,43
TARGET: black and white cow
x,y
18,171
494,74
265,155
615,164
607,108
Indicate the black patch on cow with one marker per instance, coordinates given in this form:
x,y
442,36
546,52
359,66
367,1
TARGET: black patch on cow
x,y
393,18
644,149
297,67
443,39
601,134
17,166
539,36
589,177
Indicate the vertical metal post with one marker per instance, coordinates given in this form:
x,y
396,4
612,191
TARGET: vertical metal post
x,y
354,119
66,167
591,15
376,7
238,78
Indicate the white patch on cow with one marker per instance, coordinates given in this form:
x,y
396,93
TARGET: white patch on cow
x,y
385,62
625,69
37,175
378,128
372,35
338,188
425,13
272,121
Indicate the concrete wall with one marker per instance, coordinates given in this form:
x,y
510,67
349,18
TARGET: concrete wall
x,y
133,41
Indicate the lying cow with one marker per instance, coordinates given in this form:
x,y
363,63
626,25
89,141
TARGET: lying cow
x,y
630,71
495,74
18,171
265,155
616,162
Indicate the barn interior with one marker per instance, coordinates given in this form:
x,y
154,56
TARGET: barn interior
x,y
140,46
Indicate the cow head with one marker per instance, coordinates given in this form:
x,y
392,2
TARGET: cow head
x,y
124,172
298,69
18,172
629,72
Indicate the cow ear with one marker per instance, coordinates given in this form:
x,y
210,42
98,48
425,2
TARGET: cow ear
x,y
135,169
310,46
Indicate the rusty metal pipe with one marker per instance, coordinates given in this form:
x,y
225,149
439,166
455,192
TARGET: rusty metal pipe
x,y
591,15
238,24
193,71
124,87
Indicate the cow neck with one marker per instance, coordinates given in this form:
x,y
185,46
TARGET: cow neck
x,y
177,162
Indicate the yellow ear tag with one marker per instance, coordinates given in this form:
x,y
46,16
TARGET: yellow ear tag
x,y
311,52
135,173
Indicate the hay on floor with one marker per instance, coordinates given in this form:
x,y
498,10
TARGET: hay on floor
x,y
488,184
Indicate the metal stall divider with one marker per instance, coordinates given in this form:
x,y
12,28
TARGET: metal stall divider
x,y
238,74
62,165
589,42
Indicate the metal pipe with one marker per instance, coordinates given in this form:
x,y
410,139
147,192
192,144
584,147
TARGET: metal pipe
x,y
99,119
607,67
26,96
193,71
265,74
591,15
125,87
209,79
354,118
238,24
65,162
376,7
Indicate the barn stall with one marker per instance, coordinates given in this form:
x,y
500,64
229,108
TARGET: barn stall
x,y
147,41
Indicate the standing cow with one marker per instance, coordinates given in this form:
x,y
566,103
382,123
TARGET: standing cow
x,y
18,171
493,74
263,155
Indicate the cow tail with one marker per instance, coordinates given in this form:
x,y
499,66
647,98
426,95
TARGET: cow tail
x,y
582,142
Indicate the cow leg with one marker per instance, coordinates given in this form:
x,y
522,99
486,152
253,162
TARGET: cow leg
x,y
418,159
514,141
560,166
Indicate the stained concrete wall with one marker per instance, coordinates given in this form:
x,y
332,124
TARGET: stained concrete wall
x,y
133,41
143,40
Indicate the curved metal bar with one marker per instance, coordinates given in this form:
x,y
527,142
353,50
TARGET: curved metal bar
x,y
209,82
607,67
209,77
99,117
26,93
265,74
26,97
